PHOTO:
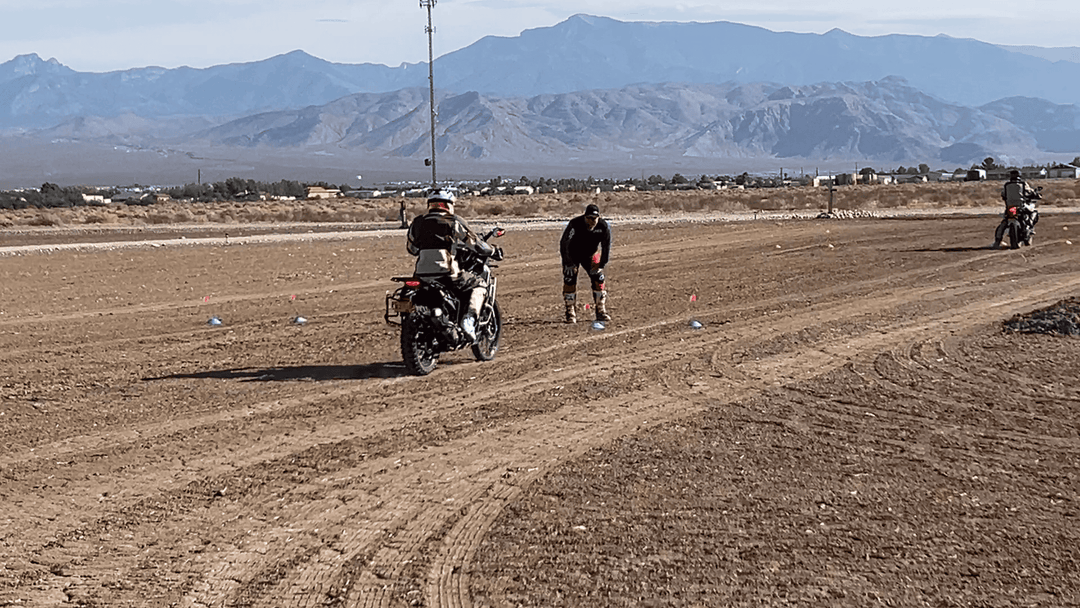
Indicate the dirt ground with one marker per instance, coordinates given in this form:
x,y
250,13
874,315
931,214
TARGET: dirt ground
x,y
851,425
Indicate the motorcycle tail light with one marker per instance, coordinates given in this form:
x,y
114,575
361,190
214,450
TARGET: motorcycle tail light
x,y
412,283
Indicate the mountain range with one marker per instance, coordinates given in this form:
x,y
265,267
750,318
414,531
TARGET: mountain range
x,y
589,90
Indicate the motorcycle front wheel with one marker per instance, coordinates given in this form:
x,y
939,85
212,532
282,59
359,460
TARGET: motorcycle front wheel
x,y
417,348
488,332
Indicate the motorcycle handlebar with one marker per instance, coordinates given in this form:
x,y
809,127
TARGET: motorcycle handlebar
x,y
496,231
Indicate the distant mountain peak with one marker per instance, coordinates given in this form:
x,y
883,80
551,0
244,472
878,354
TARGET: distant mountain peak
x,y
30,64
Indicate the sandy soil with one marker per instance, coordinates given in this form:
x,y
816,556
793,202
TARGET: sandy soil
x,y
850,427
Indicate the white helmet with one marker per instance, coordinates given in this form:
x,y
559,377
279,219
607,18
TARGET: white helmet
x,y
442,199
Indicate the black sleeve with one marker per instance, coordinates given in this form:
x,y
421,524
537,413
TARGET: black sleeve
x,y
410,239
605,244
564,243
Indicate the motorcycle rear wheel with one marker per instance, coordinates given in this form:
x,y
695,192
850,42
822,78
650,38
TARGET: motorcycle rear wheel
x,y
1014,235
488,332
417,348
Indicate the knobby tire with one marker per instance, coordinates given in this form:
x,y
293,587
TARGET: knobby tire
x,y
417,348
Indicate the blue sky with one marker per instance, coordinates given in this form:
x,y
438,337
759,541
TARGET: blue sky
x,y
107,35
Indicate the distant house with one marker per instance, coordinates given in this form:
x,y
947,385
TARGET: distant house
x,y
96,200
909,178
1025,172
130,197
1033,173
1063,171
319,192
975,174
364,193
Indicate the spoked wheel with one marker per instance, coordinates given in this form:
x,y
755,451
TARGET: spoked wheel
x,y
417,348
488,331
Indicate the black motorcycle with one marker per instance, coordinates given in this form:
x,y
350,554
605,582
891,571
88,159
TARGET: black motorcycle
x,y
429,311
1021,219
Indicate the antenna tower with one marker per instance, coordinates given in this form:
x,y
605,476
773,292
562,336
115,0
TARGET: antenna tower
x,y
429,4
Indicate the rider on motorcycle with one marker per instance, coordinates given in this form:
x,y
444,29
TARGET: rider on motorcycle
x,y
1015,193
437,239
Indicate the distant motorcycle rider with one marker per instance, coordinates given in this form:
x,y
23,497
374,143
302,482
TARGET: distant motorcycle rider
x,y
437,239
1015,193
586,242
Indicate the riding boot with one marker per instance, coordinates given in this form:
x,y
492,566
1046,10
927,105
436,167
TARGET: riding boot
x,y
600,301
999,234
472,313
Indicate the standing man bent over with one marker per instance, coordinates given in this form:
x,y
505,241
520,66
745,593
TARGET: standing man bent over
x,y
585,242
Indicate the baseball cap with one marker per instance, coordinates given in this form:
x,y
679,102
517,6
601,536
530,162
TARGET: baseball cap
x,y
592,211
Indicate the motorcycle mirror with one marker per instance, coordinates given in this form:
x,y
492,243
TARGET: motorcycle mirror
x,y
499,232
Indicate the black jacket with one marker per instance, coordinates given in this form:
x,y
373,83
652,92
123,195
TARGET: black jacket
x,y
579,243
438,238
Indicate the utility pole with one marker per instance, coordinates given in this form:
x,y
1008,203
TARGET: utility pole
x,y
429,4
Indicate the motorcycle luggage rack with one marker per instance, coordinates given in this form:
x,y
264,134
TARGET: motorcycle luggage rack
x,y
393,313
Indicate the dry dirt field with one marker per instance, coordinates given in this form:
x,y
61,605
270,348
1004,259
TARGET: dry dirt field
x,y
851,426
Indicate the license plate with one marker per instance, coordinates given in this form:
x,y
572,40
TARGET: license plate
x,y
403,306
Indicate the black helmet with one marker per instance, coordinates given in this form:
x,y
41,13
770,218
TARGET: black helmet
x,y
1014,174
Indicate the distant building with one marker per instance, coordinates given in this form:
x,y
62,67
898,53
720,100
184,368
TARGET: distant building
x,y
1025,172
908,178
319,192
1063,171
96,200
364,193
1033,173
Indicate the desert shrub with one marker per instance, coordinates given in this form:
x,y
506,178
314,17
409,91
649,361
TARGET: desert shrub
x,y
168,216
45,218
1060,191
312,213
100,217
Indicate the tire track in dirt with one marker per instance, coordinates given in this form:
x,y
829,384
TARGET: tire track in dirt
x,y
450,533
446,572
820,314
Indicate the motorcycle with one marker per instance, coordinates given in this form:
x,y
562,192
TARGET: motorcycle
x,y
429,311
1020,221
